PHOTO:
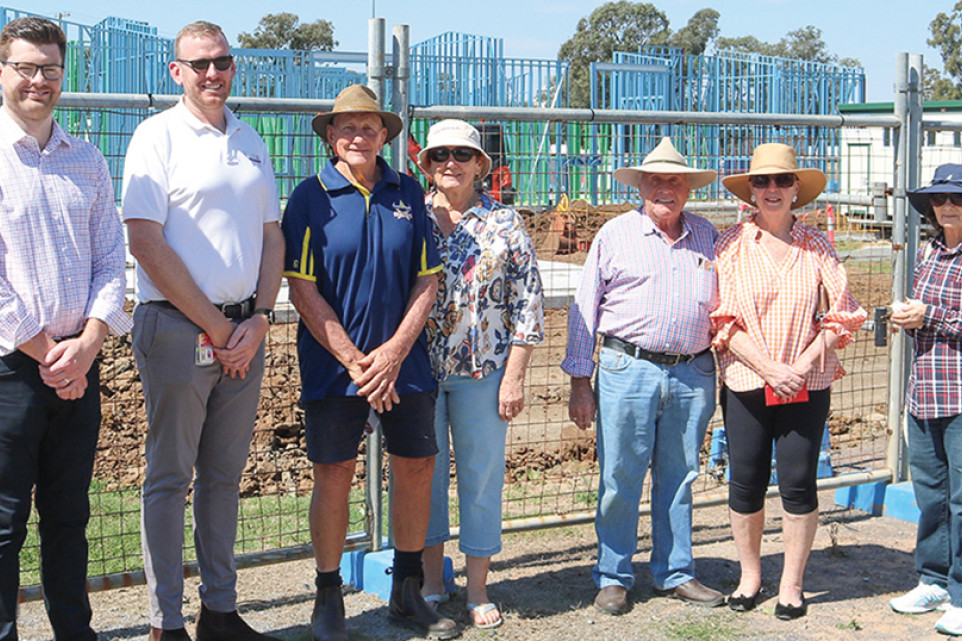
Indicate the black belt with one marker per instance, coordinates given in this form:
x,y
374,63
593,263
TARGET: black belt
x,y
233,311
661,358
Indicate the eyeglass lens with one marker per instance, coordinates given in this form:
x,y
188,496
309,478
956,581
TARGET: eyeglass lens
x,y
940,199
781,181
461,154
221,63
29,70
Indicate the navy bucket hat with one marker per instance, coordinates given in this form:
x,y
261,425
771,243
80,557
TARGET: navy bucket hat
x,y
947,180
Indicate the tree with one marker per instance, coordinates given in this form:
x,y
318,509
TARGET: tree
x,y
285,31
801,44
627,26
694,37
947,38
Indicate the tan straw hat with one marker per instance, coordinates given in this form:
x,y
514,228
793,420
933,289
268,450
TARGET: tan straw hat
x,y
664,159
356,99
775,158
454,133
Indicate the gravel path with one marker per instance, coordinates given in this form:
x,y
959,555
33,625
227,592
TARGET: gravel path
x,y
543,581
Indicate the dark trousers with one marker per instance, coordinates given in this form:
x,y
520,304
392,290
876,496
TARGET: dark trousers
x,y
935,460
47,443
796,429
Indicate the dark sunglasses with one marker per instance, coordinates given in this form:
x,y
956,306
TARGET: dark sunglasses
x,y
461,154
221,63
781,181
938,200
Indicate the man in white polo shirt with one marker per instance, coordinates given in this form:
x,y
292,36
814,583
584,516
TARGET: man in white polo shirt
x,y
202,212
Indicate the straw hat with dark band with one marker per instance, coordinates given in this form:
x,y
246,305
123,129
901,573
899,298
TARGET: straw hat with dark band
x,y
357,99
664,159
775,158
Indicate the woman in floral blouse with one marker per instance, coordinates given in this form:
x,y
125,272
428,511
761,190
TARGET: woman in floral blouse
x,y
485,322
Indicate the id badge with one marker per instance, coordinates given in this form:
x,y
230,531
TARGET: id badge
x,y
204,350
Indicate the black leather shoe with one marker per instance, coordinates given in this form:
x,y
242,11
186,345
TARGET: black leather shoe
x,y
327,621
180,634
612,599
743,603
226,626
407,606
789,612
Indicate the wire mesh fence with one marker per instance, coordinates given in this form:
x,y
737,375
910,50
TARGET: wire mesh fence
x,y
560,176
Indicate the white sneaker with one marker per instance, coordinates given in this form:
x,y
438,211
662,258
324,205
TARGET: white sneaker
x,y
951,621
924,597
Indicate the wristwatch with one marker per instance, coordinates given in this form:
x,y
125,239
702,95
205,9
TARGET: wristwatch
x,y
269,313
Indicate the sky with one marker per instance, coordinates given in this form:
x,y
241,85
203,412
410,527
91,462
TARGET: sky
x,y
872,31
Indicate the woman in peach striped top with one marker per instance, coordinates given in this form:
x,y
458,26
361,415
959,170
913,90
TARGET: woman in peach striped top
x,y
784,310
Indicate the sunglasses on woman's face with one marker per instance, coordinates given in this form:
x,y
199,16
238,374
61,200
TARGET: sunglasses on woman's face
x,y
938,200
461,154
781,181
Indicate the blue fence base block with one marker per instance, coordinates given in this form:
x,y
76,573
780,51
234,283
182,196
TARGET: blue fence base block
x,y
900,502
868,497
896,500
373,572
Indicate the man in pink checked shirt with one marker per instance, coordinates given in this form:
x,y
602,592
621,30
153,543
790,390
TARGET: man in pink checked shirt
x,y
61,290
648,288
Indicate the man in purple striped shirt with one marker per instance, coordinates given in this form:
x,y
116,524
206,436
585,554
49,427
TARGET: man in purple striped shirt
x,y
648,288
61,290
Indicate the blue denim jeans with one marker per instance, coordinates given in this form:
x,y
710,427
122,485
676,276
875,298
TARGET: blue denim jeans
x,y
657,415
935,460
468,407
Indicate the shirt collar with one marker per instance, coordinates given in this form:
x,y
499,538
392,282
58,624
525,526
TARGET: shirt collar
x,y
940,245
11,133
648,225
755,232
333,180
485,203
231,124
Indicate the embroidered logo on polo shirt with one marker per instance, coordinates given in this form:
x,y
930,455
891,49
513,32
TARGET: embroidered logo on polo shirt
x,y
402,211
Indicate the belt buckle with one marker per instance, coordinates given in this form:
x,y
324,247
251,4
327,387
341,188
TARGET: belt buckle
x,y
232,310
674,359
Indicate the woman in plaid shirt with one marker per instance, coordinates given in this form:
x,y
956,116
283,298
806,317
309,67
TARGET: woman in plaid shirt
x,y
784,309
934,400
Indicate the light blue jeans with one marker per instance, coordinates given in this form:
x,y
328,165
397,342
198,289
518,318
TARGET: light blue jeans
x,y
469,408
657,415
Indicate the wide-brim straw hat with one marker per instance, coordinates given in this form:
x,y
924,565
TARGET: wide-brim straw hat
x,y
357,99
454,133
947,180
664,159
776,158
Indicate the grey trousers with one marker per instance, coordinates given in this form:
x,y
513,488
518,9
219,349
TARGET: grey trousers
x,y
200,426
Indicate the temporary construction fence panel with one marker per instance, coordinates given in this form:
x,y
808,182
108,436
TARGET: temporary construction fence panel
x,y
551,467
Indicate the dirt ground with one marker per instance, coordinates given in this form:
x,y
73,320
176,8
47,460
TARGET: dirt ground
x,y
543,582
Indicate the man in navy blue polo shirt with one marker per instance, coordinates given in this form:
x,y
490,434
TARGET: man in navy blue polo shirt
x,y
362,269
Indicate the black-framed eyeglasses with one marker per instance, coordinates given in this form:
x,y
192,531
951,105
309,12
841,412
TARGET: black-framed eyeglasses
x,y
200,65
781,181
28,70
938,200
461,154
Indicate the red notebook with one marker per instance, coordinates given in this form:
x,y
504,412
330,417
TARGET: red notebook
x,y
771,399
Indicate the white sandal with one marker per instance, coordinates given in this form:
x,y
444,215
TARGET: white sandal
x,y
480,609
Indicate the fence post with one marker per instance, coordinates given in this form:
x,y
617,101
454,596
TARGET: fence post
x,y
401,92
907,155
375,81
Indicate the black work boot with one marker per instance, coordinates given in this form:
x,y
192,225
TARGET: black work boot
x,y
226,626
327,620
408,606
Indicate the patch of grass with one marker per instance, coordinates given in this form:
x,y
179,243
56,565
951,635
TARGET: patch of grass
x,y
851,625
713,628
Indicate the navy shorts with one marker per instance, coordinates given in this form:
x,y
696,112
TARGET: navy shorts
x,y
334,427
